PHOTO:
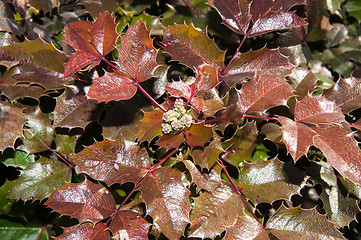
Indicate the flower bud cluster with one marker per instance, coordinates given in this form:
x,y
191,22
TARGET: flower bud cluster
x,y
177,118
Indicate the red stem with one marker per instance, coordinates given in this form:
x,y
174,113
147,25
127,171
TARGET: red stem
x,y
138,85
66,161
191,7
238,48
239,191
134,189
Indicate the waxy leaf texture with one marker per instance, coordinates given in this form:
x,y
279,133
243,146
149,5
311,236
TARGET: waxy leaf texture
x,y
263,92
246,64
113,161
85,231
167,201
85,201
191,46
91,41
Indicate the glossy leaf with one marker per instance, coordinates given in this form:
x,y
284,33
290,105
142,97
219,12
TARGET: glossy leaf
x,y
318,110
269,180
113,161
246,228
296,136
39,133
198,134
150,125
40,179
246,64
207,181
167,201
264,92
208,76
172,140
240,147
235,14
20,159
261,7
11,124
346,93
112,86
35,52
137,56
129,225
91,41
85,231
191,46
274,21
85,201
296,223
11,230
215,212
207,156
73,109
211,102
344,159
179,89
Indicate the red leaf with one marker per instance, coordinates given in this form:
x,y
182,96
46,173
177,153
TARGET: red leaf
x,y
85,231
191,46
198,134
80,60
137,56
73,109
246,64
12,120
167,201
129,225
150,125
274,21
214,212
297,137
112,86
261,7
179,89
197,103
113,161
91,41
207,156
208,76
318,110
341,150
172,140
235,14
264,92
85,201
103,34
207,181
346,93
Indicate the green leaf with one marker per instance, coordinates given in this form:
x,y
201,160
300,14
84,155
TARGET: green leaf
x,y
5,202
353,7
10,230
40,179
269,180
296,223
20,159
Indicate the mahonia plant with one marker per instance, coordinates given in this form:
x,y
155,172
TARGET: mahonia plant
x,y
203,132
